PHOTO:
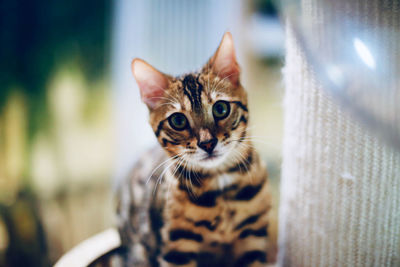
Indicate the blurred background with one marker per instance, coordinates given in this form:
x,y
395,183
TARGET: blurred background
x,y
71,121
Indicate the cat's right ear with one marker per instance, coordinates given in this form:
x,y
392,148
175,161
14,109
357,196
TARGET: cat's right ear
x,y
152,83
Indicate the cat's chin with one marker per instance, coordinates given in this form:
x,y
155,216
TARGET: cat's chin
x,y
211,162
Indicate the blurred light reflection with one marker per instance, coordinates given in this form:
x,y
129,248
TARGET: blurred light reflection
x,y
364,53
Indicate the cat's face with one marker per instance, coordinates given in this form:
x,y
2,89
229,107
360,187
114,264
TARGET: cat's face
x,y
200,118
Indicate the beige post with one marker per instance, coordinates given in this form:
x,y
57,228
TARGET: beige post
x,y
340,196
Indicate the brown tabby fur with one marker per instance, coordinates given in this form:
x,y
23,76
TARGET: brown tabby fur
x,y
184,214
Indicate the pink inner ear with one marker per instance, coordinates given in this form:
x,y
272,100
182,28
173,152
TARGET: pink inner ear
x,y
150,92
225,65
151,82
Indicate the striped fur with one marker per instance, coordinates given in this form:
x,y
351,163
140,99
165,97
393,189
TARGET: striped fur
x,y
183,206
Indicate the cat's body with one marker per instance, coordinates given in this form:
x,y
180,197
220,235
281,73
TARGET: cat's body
x,y
202,200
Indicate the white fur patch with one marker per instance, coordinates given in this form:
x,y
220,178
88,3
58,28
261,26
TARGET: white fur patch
x,y
224,181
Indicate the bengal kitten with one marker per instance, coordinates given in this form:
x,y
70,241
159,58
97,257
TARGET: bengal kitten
x,y
203,199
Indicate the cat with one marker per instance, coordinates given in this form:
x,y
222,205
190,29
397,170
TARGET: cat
x,y
202,197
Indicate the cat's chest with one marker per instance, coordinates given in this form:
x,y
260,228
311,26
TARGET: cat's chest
x,y
215,214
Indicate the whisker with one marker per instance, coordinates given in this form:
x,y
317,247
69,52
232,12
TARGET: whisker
x,y
179,163
168,93
189,168
238,160
251,138
159,180
161,164
220,89
258,136
160,177
208,75
198,179
190,180
242,157
251,127
222,80
170,101
173,97
190,190
165,104
270,144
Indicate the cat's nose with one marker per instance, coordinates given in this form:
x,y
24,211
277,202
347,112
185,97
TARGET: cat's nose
x,y
208,145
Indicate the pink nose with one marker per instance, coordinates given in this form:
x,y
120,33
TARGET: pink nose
x,y
208,145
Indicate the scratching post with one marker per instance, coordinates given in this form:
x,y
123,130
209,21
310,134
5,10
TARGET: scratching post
x,y
340,191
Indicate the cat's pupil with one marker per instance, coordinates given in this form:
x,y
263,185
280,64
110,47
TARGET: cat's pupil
x,y
178,121
221,109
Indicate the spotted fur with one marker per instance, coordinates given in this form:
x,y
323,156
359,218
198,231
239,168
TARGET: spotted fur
x,y
183,206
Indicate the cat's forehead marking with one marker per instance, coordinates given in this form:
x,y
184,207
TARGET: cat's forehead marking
x,y
192,89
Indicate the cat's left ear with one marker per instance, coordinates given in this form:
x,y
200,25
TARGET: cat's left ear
x,y
224,63
152,83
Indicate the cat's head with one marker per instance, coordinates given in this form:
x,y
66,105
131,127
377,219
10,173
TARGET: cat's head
x,y
198,118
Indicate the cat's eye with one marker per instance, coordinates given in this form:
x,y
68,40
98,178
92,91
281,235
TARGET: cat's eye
x,y
178,121
221,109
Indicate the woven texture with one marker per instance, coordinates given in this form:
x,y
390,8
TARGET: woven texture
x,y
340,191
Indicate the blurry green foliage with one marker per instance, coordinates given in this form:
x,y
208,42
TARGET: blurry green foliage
x,y
36,36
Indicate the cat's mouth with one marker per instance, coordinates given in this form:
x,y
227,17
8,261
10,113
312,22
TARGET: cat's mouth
x,y
210,157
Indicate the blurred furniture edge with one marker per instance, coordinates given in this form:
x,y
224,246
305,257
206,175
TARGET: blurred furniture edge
x,y
91,249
